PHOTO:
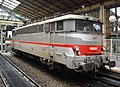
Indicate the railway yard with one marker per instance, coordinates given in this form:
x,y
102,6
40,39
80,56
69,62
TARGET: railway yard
x,y
45,77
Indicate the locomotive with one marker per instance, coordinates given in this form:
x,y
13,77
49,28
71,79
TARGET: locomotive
x,y
75,41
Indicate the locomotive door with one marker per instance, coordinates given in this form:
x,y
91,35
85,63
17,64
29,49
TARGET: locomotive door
x,y
51,47
51,50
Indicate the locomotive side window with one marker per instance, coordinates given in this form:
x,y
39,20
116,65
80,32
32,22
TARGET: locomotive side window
x,y
47,28
25,30
52,26
60,25
19,31
32,29
35,29
40,28
22,31
29,30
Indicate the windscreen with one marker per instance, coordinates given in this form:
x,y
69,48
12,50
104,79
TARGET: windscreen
x,y
88,26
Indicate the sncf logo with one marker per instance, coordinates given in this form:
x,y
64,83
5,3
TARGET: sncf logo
x,y
92,48
95,37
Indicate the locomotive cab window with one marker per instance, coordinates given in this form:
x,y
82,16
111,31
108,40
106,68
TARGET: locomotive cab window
x,y
88,26
97,27
60,25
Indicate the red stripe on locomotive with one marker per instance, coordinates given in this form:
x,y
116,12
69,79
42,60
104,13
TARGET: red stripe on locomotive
x,y
84,49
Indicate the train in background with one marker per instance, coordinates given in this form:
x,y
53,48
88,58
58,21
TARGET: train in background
x,y
72,41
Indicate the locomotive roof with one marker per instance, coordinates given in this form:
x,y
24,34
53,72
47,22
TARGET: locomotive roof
x,y
65,17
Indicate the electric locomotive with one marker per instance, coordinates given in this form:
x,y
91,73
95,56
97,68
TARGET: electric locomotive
x,y
75,41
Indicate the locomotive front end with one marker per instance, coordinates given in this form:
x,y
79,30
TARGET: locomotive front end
x,y
88,53
89,56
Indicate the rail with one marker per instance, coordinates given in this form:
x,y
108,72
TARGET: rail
x,y
109,77
27,81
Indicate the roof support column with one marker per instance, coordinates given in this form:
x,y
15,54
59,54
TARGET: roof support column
x,y
2,27
1,39
103,16
102,19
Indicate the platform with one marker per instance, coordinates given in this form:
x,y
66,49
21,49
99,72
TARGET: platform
x,y
11,76
117,67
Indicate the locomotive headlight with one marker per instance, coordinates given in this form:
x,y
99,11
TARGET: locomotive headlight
x,y
103,48
76,48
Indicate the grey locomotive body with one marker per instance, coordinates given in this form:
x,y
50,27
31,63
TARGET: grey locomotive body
x,y
71,40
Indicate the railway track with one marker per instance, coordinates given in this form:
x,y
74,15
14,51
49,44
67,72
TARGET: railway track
x,y
109,77
2,81
89,79
14,77
103,78
110,74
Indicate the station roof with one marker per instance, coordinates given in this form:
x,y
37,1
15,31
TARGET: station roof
x,y
37,9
